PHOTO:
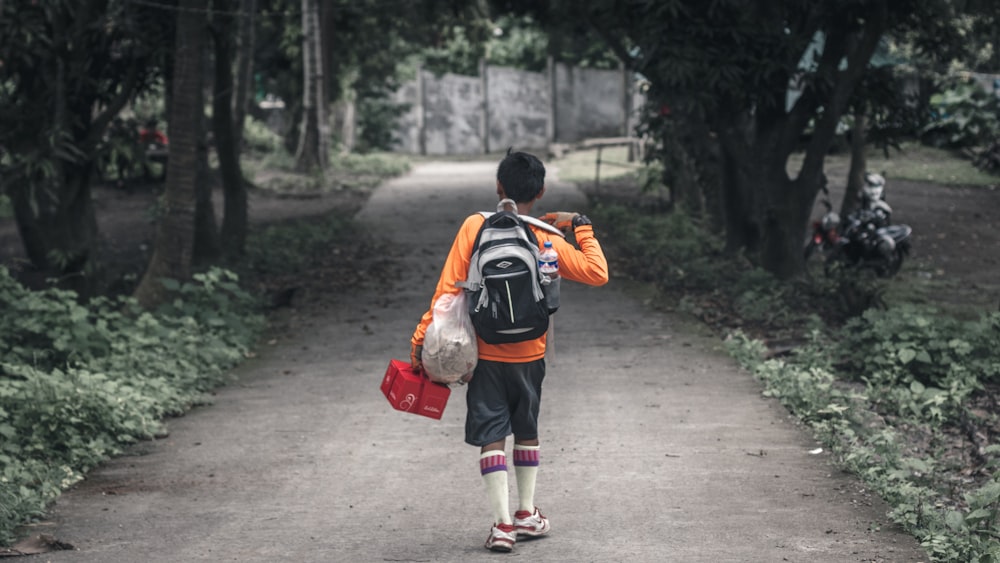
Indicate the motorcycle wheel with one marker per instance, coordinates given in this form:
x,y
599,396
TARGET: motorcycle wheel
x,y
891,267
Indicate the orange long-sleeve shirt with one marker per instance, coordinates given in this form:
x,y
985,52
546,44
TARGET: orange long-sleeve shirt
x,y
586,264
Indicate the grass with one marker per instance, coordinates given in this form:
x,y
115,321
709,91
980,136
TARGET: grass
x,y
913,161
929,164
581,166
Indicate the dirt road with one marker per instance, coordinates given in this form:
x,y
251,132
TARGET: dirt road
x,y
655,447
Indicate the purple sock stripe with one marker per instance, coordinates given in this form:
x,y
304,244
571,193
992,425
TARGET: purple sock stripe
x,y
526,458
493,463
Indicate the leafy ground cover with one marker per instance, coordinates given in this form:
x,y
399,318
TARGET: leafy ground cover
x,y
79,382
899,378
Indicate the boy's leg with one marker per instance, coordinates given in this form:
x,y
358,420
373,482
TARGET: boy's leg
x,y
526,471
493,467
528,521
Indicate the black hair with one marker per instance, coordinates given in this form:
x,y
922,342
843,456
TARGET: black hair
x,y
521,175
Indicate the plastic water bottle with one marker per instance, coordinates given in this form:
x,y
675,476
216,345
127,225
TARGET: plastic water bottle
x,y
548,261
548,265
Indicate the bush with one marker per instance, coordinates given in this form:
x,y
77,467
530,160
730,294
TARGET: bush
x,y
918,362
258,137
78,382
966,116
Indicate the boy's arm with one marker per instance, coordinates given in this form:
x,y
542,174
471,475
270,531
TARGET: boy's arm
x,y
456,269
585,265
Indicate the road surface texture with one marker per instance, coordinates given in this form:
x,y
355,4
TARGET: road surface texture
x,y
655,446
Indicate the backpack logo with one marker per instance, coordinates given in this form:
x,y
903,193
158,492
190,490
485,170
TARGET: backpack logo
x,y
504,265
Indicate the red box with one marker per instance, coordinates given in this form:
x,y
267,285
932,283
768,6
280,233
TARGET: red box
x,y
410,391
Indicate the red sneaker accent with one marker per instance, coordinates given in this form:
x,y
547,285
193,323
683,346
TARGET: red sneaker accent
x,y
502,538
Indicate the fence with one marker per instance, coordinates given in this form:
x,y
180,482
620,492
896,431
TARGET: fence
x,y
502,107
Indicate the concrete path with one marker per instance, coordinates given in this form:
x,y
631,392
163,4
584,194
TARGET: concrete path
x,y
655,447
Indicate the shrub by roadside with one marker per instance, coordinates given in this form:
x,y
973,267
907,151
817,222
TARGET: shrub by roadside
x,y
79,382
897,394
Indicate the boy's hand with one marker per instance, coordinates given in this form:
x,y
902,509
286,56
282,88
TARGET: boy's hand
x,y
562,220
416,351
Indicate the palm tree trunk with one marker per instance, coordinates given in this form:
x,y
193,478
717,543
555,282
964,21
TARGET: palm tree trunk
x,y
172,253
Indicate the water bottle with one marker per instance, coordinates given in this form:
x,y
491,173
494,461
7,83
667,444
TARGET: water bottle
x,y
548,265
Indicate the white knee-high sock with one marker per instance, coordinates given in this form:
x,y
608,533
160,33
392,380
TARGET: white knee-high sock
x,y
526,472
493,467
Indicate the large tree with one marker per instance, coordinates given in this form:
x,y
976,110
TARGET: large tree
x,y
172,253
314,132
724,69
228,111
67,68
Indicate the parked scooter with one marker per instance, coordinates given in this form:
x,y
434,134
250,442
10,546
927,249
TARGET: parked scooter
x,y
865,238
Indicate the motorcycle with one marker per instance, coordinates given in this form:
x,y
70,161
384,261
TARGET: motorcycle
x,y
866,238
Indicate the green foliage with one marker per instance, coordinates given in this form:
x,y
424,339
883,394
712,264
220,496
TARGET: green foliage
x,y
920,363
966,116
290,247
518,41
368,170
6,210
78,382
670,248
841,418
874,384
258,137
683,258
377,117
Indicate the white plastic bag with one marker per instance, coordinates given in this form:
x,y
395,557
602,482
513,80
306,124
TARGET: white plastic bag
x,y
450,350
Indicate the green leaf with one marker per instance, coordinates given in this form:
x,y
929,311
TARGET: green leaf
x,y
954,520
924,357
917,388
906,355
978,514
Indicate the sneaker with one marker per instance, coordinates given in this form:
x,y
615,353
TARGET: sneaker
x,y
531,524
502,538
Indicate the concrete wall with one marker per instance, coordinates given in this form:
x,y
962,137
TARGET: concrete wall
x,y
505,107
408,125
589,103
517,108
453,107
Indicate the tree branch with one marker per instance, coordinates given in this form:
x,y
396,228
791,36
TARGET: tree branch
x,y
102,119
858,55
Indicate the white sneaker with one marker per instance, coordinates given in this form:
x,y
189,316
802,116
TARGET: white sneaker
x,y
502,538
530,523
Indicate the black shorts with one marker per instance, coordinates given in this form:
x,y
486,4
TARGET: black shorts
x,y
503,399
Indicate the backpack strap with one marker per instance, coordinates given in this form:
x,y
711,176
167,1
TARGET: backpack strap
x,y
531,220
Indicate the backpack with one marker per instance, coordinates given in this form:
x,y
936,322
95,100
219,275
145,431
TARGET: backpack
x,y
506,299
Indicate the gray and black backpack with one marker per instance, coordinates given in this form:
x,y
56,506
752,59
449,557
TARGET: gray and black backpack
x,y
506,298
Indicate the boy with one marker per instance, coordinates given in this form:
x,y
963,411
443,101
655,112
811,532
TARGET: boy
x,y
505,390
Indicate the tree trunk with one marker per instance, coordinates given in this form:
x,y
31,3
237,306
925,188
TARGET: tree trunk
x,y
207,244
172,253
739,188
784,220
859,163
58,229
243,91
312,150
234,220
